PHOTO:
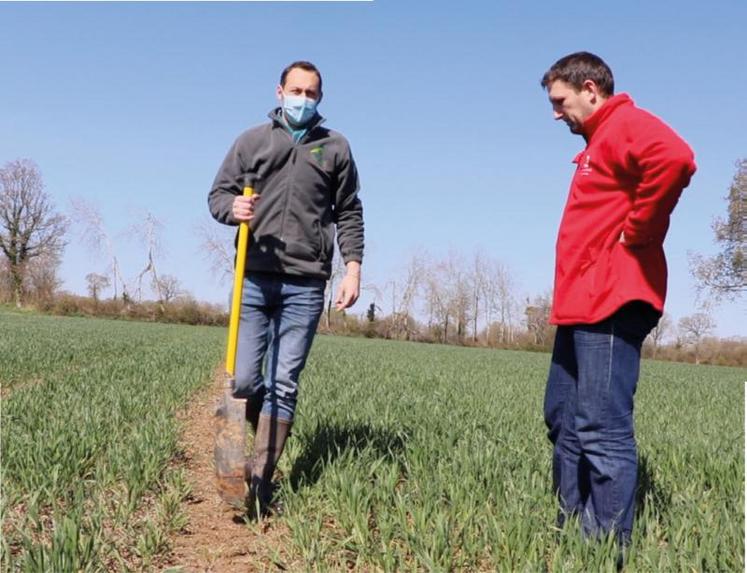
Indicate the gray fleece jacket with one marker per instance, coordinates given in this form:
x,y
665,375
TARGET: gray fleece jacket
x,y
307,190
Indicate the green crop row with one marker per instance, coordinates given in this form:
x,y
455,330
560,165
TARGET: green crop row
x,y
410,457
404,457
88,431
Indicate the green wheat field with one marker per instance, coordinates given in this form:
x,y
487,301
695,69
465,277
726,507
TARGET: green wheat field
x,y
404,457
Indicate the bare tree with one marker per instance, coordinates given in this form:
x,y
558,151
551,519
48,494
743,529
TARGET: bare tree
x,y
169,288
694,328
42,281
500,299
96,283
401,323
459,293
437,300
411,286
149,232
480,287
380,294
94,235
657,334
29,225
448,298
725,274
216,245
537,315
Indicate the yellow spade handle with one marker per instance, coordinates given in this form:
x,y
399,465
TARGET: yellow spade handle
x,y
238,283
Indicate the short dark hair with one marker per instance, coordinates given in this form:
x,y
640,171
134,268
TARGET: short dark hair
x,y
304,65
576,68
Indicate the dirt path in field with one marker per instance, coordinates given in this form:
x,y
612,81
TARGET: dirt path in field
x,y
217,539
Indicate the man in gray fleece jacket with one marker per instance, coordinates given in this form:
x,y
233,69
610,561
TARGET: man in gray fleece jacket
x,y
306,187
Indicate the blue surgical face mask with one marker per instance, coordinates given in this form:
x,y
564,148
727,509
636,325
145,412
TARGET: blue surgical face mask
x,y
298,109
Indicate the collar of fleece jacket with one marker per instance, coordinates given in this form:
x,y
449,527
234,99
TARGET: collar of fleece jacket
x,y
596,119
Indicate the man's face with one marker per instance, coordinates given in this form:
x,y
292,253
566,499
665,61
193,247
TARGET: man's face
x,y
300,82
573,106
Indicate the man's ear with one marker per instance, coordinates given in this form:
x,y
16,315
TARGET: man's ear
x,y
279,92
591,90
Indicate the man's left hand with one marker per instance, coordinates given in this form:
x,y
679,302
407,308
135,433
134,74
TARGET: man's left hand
x,y
350,287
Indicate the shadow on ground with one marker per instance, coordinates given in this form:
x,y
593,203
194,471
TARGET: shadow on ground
x,y
328,442
650,495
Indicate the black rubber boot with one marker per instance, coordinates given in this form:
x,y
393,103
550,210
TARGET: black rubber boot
x,y
253,408
269,441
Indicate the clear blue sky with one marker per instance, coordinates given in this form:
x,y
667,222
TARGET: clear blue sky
x,y
133,107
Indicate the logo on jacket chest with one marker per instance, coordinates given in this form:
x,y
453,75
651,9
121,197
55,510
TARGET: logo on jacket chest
x,y
584,165
318,154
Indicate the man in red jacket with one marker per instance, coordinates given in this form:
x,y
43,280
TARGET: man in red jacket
x,y
610,285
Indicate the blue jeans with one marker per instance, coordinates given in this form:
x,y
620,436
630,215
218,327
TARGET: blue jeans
x,y
279,316
589,413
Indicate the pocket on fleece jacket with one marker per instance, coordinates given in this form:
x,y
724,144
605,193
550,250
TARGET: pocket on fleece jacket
x,y
301,251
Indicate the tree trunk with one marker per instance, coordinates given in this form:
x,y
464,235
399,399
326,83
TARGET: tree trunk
x,y
474,334
17,278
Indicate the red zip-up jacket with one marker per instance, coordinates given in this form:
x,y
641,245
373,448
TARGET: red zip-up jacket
x,y
628,180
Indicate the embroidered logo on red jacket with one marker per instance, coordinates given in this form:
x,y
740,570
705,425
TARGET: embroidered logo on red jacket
x,y
585,167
